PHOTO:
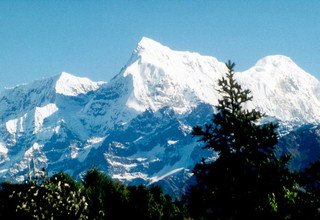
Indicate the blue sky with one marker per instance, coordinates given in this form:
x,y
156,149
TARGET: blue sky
x,y
95,38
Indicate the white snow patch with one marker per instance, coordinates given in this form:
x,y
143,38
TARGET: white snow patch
x,y
3,153
95,140
11,126
74,151
172,142
34,147
16,125
20,178
138,139
130,176
43,112
140,159
117,145
187,129
3,171
156,178
3,149
126,166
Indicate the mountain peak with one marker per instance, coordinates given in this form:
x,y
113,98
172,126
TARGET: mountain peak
x,y
282,89
150,47
70,85
275,60
280,66
149,43
162,77
66,75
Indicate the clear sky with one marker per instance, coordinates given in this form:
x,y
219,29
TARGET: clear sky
x,y
95,38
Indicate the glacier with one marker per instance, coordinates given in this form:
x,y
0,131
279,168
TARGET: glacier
x,y
137,127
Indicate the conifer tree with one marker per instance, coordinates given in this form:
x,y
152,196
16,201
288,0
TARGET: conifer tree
x,y
308,205
247,180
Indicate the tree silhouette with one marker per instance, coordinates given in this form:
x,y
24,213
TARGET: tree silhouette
x,y
247,180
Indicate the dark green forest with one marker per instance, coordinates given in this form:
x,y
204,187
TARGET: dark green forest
x,y
96,197
247,181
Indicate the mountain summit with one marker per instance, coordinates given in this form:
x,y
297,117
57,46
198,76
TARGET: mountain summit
x,y
70,85
137,126
159,75
283,90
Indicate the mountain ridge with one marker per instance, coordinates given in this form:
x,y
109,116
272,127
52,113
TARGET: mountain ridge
x,y
137,126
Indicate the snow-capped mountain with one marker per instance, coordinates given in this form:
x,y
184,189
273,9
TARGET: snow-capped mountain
x,y
283,90
137,126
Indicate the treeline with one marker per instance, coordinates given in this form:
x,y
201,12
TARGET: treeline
x,y
96,197
247,181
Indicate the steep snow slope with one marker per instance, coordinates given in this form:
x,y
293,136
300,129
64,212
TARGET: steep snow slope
x,y
162,77
157,77
283,90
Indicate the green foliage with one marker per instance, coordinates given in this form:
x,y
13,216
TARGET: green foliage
x,y
247,180
109,199
96,197
308,204
56,198
153,204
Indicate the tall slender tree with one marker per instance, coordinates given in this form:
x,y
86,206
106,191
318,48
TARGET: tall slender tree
x,y
247,180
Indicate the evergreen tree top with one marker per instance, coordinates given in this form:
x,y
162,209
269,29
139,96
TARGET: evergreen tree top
x,y
235,129
233,96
